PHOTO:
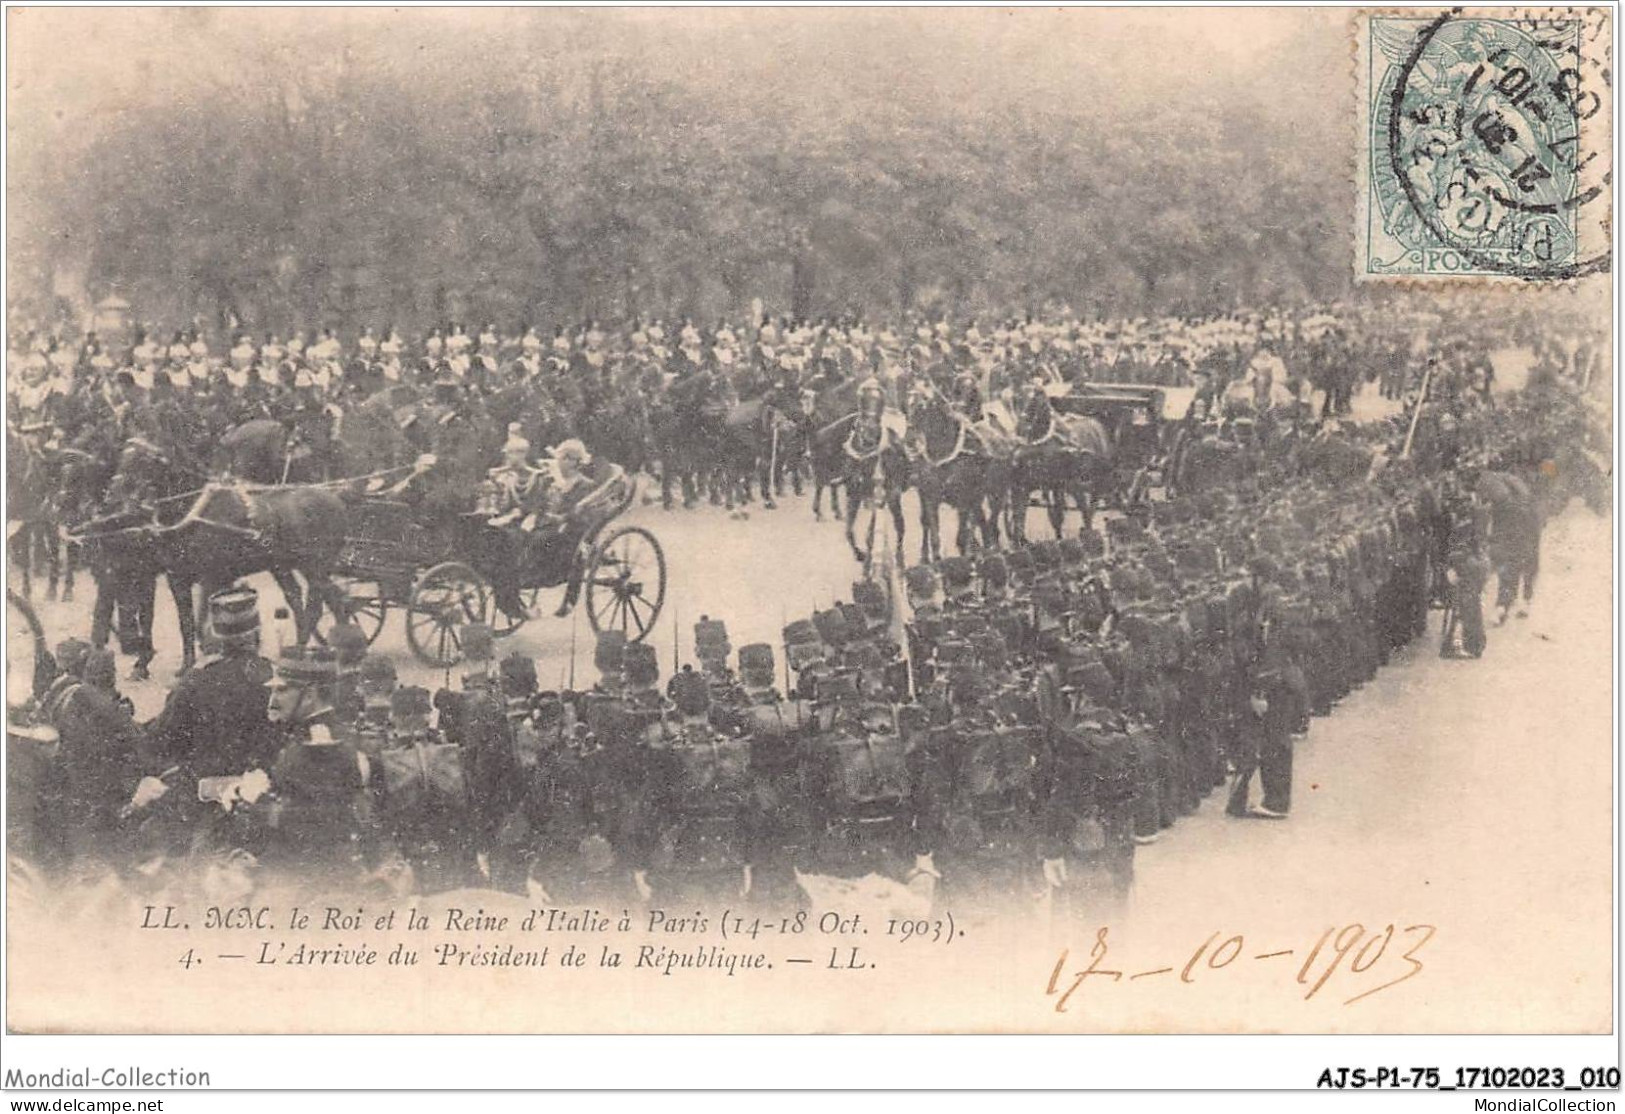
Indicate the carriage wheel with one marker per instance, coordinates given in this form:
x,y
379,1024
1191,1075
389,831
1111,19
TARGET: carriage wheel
x,y
365,604
444,599
626,583
501,623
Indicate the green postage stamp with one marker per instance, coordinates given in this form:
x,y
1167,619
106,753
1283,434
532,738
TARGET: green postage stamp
x,y
1486,144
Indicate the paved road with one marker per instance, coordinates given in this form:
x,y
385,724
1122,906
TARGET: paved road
x,y
1475,796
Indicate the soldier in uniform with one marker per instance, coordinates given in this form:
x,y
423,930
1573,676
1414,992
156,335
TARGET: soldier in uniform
x,y
324,827
476,720
1467,571
214,725
704,806
99,753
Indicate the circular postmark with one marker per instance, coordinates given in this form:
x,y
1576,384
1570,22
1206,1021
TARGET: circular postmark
x,y
1490,120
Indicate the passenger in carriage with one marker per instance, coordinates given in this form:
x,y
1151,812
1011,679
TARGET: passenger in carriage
x,y
517,483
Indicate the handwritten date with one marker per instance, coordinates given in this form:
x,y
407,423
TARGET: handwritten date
x,y
1351,953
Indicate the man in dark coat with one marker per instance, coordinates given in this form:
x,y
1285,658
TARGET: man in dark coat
x,y
98,755
215,723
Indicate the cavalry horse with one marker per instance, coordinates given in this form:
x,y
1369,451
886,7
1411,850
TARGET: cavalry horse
x,y
958,462
862,453
1057,455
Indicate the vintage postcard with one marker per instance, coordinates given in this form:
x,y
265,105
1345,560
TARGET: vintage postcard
x,y
811,521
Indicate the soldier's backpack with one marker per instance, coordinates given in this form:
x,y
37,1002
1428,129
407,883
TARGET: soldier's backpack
x,y
421,775
995,774
712,784
871,773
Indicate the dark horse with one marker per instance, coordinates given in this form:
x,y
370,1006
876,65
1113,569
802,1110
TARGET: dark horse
x,y
1058,455
31,509
264,451
210,537
755,432
959,463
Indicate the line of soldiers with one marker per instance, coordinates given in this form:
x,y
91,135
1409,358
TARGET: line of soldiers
x,y
1045,710
1040,713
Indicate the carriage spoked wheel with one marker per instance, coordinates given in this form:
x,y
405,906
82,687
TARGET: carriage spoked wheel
x,y
447,597
501,623
626,583
365,603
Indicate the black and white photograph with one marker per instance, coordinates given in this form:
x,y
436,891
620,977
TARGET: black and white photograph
x,y
810,521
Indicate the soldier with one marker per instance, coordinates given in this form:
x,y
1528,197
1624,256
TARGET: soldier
x,y
422,798
324,819
99,753
704,809
1266,746
1467,571
476,720
215,723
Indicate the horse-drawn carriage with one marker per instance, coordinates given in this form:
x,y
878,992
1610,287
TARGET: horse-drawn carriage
x,y
443,569
1133,416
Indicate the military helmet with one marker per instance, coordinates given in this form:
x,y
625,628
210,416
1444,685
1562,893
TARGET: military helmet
x,y
640,666
1021,565
873,599
690,692
609,654
711,640
234,617
756,665
924,586
832,626
409,707
518,675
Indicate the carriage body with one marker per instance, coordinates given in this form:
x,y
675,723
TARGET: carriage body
x,y
1133,414
440,566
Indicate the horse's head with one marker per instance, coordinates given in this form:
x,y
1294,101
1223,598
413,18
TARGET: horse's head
x,y
144,470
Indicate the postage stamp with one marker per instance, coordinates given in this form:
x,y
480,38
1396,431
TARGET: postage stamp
x,y
1486,144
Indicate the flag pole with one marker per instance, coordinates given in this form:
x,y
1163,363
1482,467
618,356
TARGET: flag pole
x,y
1416,415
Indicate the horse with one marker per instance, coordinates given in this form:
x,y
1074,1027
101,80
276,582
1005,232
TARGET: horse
x,y
265,451
864,454
958,462
1057,455
753,431
30,506
215,535
685,427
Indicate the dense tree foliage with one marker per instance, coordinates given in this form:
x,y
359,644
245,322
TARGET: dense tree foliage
x,y
338,167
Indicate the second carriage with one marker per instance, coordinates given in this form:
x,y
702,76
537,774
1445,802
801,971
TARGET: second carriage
x,y
441,570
